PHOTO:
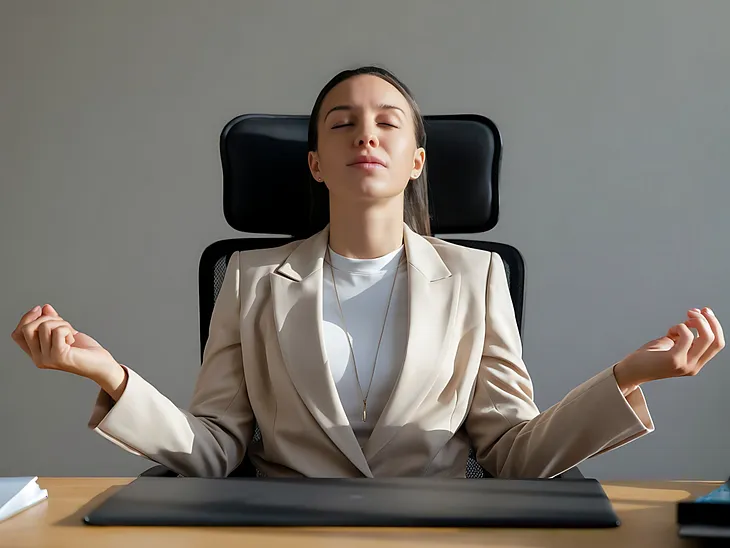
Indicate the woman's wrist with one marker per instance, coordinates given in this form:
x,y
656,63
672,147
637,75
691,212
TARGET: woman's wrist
x,y
112,380
628,376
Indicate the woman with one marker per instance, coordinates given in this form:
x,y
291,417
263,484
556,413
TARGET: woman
x,y
371,348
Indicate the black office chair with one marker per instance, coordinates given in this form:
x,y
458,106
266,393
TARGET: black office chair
x,y
268,189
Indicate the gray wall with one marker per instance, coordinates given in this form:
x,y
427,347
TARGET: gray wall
x,y
614,183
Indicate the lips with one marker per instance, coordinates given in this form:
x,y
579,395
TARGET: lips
x,y
368,160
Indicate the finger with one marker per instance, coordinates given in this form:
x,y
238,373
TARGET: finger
x,y
30,334
682,337
20,340
48,310
719,342
29,316
59,341
17,334
45,333
705,336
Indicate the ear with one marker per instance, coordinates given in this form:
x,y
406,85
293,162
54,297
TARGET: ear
x,y
419,160
313,160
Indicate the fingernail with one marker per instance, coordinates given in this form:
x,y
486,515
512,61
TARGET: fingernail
x,y
709,311
36,308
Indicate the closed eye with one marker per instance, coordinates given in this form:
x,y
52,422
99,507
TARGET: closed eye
x,y
350,124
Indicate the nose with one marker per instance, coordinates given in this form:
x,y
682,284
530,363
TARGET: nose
x,y
367,137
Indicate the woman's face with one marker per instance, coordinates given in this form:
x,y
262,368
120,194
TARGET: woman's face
x,y
367,147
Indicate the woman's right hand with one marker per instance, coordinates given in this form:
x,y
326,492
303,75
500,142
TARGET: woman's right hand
x,y
52,343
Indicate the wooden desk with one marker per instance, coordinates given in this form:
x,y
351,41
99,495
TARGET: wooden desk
x,y
647,511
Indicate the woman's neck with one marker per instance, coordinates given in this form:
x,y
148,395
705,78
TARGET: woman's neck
x,y
366,232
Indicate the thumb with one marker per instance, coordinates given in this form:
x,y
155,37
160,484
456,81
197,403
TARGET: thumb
x,y
682,336
83,340
48,310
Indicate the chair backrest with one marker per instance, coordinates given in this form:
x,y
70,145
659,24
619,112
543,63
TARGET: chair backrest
x,y
463,154
463,160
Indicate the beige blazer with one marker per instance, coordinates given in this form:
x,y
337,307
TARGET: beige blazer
x,y
463,382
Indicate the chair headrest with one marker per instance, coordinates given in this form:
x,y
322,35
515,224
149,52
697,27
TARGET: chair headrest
x,y
268,188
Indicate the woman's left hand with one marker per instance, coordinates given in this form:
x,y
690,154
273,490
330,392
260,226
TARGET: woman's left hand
x,y
677,354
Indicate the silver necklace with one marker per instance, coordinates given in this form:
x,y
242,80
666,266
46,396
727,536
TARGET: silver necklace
x,y
364,396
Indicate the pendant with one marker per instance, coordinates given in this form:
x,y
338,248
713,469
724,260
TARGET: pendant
x,y
364,411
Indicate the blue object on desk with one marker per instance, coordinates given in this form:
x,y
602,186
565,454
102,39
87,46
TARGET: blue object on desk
x,y
720,495
707,516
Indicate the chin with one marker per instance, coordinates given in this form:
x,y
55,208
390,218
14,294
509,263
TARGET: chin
x,y
366,187
371,188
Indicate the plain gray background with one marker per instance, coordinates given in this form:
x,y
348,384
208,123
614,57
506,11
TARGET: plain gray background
x,y
616,127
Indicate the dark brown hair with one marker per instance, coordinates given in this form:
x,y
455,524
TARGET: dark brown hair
x,y
415,206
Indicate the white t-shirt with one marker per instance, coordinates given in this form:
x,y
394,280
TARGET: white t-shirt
x,y
364,286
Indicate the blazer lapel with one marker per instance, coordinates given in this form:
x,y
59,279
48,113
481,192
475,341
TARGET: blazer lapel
x,y
432,300
296,288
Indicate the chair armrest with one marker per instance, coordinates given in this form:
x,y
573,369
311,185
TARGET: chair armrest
x,y
158,471
573,473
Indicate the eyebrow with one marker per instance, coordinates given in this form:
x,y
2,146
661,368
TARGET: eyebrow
x,y
350,107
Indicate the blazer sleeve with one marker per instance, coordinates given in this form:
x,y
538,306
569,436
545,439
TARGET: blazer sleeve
x,y
510,436
211,438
